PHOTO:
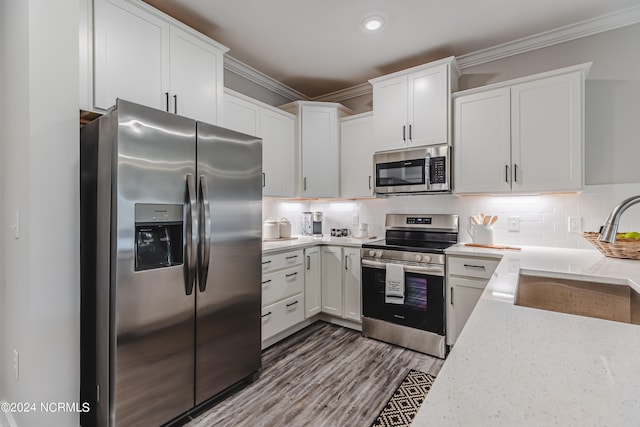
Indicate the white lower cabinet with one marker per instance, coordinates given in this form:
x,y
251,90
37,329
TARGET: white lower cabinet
x,y
467,276
341,282
282,292
312,282
282,315
300,284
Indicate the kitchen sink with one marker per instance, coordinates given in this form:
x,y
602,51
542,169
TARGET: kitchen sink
x,y
610,300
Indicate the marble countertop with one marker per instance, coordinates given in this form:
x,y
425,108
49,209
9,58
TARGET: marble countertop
x,y
519,366
301,242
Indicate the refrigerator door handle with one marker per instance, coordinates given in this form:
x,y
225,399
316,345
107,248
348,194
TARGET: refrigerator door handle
x,y
190,253
204,234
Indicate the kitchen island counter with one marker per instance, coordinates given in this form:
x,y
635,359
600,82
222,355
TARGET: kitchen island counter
x,y
519,366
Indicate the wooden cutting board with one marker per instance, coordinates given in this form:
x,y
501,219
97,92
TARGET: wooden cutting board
x,y
477,245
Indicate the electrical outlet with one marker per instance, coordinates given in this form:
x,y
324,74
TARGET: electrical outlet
x,y
514,223
16,363
575,224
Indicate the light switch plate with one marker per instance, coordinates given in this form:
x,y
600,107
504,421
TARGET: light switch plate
x,y
514,223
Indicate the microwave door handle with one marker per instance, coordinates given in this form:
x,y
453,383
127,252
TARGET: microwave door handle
x,y
427,171
190,241
204,234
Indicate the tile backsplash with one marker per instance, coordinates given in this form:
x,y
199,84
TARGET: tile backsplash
x,y
543,218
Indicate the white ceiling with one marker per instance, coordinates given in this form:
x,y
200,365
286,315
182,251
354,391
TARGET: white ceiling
x,y
318,46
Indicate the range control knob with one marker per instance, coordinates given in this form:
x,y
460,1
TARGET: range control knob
x,y
418,258
372,253
379,254
426,258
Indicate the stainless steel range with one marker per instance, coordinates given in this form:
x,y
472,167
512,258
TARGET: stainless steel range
x,y
403,281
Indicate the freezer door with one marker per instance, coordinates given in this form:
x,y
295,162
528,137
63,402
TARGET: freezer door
x,y
229,280
152,321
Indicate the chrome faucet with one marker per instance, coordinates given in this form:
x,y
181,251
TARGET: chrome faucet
x,y
610,228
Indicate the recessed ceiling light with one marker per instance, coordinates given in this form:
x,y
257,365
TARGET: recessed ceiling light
x,y
373,23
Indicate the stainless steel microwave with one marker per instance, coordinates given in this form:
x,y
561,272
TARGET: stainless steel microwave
x,y
415,170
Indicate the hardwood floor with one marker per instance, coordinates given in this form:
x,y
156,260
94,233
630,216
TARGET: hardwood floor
x,y
324,375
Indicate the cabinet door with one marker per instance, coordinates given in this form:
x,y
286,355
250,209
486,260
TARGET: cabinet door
x,y
312,282
320,152
390,113
356,160
546,134
464,294
131,55
428,106
482,142
332,300
278,134
240,115
351,284
196,77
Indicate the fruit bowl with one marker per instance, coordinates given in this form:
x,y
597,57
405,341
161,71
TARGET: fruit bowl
x,y
623,247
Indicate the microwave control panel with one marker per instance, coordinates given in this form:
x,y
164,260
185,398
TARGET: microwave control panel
x,y
438,170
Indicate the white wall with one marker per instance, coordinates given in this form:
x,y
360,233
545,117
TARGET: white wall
x,y
41,179
3,180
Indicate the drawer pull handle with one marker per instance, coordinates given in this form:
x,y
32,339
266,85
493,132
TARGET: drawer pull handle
x,y
266,281
292,257
266,314
291,274
292,304
266,262
481,267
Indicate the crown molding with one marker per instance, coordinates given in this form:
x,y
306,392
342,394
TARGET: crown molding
x,y
559,35
348,93
260,78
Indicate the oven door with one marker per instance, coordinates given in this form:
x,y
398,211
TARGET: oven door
x,y
423,306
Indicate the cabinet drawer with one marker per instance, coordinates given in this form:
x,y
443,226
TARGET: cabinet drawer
x,y
282,315
278,261
282,284
481,268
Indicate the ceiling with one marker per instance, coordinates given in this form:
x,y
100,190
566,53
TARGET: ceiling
x,y
319,46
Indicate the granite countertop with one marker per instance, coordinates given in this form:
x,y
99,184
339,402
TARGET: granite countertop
x,y
301,242
519,366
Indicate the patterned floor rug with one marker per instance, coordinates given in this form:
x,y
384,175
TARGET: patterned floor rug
x,y
405,402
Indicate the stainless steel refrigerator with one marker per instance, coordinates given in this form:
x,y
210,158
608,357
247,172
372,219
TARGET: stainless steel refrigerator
x,y
171,214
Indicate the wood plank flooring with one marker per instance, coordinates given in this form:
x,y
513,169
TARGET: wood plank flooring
x,y
324,375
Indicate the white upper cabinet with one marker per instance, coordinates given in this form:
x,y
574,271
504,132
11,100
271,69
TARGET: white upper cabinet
x,y
277,130
240,114
131,55
356,155
144,56
482,142
412,107
196,76
318,147
521,136
547,134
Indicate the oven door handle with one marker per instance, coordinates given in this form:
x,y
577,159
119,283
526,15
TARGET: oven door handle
x,y
432,269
